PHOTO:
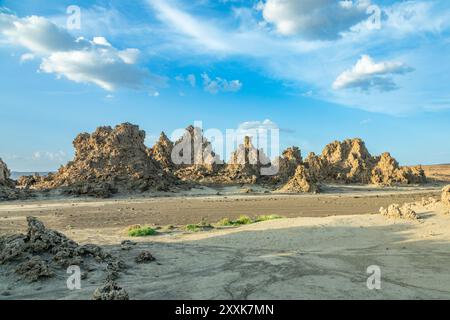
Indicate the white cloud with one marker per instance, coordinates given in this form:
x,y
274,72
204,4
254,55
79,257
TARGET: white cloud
x,y
217,85
314,19
367,75
80,60
27,57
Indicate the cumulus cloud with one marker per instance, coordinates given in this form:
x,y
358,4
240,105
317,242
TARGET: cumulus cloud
x,y
367,75
217,85
314,19
77,59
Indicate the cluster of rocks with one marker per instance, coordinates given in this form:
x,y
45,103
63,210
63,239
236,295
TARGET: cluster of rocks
x,y
406,211
115,160
42,252
396,211
8,189
108,161
349,161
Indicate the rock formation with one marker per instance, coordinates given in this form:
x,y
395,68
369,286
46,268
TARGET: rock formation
x,y
399,212
4,173
162,152
110,291
109,161
290,159
194,157
245,164
387,172
350,162
445,197
42,252
7,186
300,182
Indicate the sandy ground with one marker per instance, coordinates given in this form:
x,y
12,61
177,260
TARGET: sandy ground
x,y
69,214
298,258
322,253
440,172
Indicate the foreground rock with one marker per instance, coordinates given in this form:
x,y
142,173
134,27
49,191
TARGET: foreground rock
x,y
42,253
109,161
110,291
399,212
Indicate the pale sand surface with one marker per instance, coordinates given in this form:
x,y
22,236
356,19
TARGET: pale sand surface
x,y
67,214
296,258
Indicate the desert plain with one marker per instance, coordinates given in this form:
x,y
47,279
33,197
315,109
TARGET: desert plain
x,y
320,249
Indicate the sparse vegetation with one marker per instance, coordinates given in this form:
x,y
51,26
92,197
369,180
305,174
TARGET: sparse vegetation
x,y
243,220
203,225
141,231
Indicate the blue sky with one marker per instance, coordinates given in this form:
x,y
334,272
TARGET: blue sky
x,y
319,69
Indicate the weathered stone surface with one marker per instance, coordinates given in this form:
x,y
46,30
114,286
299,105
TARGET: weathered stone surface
x,y
245,164
110,161
162,152
34,269
349,161
399,212
41,251
145,257
445,197
110,291
287,163
8,189
300,182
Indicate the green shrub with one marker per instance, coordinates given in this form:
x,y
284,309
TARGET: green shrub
x,y
141,231
225,222
203,225
243,220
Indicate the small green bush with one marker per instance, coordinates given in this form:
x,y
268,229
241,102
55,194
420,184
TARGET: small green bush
x,y
243,220
225,222
203,225
141,231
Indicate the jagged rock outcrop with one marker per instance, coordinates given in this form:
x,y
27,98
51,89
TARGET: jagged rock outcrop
x,y
8,189
445,197
290,159
42,252
245,164
350,162
388,172
108,161
194,156
162,152
301,182
4,173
